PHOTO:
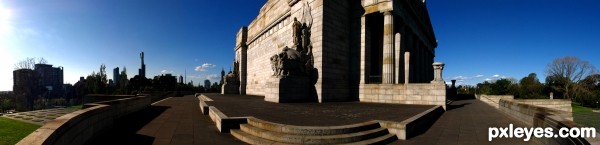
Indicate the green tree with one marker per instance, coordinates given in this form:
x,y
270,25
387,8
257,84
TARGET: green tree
x,y
96,83
531,88
40,103
500,87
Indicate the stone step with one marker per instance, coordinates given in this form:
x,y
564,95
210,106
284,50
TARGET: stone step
x,y
251,139
313,139
312,130
388,138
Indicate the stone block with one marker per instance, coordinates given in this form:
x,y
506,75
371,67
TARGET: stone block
x,y
413,97
398,97
384,97
290,89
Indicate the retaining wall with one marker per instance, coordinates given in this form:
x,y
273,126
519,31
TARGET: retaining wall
x,y
425,94
78,127
537,116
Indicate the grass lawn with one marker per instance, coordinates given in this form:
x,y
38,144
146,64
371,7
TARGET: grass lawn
x,y
579,108
12,131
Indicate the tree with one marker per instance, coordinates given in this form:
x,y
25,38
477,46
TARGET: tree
x,y
564,73
501,87
29,63
96,83
530,87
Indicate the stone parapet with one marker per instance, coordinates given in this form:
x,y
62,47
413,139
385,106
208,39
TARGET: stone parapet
x,y
493,100
537,116
78,127
425,94
558,104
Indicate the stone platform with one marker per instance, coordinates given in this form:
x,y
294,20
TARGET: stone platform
x,y
255,121
312,114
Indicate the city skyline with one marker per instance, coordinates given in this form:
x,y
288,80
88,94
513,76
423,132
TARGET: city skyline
x,y
477,40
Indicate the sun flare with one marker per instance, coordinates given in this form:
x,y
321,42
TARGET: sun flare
x,y
5,18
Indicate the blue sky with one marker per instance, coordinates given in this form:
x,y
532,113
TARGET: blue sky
x,y
478,39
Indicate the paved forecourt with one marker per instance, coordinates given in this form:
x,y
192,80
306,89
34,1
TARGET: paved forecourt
x,y
173,121
467,122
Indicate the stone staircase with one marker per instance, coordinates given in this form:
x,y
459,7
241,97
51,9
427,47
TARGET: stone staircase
x,y
257,131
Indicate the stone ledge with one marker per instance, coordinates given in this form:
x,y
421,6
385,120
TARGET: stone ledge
x,y
537,116
224,123
78,127
415,125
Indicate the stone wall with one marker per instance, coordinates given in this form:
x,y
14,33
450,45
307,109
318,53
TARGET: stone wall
x,y
267,34
93,98
558,104
493,100
336,37
426,94
80,126
537,116
339,51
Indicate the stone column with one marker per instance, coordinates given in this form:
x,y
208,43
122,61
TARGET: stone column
x,y
406,67
363,51
243,36
243,69
387,76
438,67
397,58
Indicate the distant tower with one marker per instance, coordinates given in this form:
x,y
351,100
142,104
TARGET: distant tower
x,y
206,83
222,74
142,71
180,79
116,76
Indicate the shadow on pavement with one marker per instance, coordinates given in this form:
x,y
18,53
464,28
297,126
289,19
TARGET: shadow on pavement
x,y
125,128
464,97
451,107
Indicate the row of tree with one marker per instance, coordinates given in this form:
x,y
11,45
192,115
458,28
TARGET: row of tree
x,y
566,78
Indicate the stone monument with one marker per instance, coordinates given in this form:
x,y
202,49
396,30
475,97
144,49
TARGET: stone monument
x,y
293,70
231,81
341,50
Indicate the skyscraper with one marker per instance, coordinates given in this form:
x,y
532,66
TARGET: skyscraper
x,y
142,71
116,76
222,74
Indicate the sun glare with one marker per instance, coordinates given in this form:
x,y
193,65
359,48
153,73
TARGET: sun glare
x,y
5,17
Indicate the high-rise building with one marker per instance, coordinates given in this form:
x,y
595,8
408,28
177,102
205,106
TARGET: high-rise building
x,y
25,88
142,70
207,84
116,76
222,74
51,78
180,79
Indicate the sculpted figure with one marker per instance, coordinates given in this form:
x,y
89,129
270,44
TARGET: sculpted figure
x,y
297,34
275,65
